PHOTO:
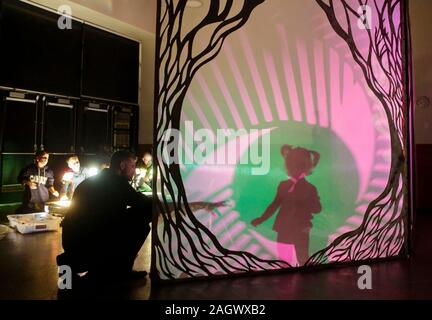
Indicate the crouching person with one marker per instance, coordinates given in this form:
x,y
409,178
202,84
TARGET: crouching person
x,y
107,223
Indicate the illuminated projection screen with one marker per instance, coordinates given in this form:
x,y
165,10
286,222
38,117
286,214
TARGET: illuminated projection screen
x,y
282,135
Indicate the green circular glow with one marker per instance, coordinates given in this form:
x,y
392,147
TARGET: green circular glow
x,y
335,178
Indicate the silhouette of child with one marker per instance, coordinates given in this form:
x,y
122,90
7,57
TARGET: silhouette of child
x,y
297,200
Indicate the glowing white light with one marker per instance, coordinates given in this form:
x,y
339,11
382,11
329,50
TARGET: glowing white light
x,y
92,172
68,176
64,203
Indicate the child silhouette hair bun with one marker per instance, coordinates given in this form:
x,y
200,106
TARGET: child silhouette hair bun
x,y
299,160
285,150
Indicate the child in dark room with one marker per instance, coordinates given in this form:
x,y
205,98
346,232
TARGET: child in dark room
x,y
38,182
142,180
72,177
297,200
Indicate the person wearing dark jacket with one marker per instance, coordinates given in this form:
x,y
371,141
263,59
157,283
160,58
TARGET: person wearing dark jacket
x,y
107,223
38,182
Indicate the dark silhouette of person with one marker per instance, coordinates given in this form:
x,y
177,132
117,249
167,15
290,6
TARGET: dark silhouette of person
x,y
107,223
297,200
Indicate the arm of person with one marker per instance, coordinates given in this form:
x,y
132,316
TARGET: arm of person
x,y
194,206
136,199
50,185
198,205
53,191
209,206
24,179
271,209
64,188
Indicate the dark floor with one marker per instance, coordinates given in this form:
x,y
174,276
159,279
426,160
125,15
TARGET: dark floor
x,y
28,271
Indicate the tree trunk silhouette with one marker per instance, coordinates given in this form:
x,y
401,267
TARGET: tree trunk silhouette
x,y
185,246
384,229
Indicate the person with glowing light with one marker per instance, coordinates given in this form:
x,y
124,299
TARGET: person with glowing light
x,y
73,177
38,182
142,180
297,200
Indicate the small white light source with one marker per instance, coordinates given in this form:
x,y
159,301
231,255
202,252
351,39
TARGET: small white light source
x,y
68,176
92,172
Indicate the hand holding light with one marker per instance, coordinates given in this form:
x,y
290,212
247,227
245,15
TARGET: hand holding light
x,y
68,176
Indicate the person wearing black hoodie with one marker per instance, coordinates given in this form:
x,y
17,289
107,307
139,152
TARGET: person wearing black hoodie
x,y
38,182
107,223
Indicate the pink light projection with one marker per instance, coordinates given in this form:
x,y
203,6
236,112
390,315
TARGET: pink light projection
x,y
256,76
241,86
322,111
321,83
197,108
288,72
302,56
277,93
228,98
342,103
212,102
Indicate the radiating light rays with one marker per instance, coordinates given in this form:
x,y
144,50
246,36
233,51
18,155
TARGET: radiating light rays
x,y
277,250
227,95
290,99
198,109
230,230
378,177
290,83
314,82
320,81
321,101
352,117
188,149
256,77
335,96
215,107
329,61
277,93
309,105
241,85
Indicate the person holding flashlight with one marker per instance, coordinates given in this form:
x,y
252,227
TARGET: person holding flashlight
x,y
142,180
72,177
38,182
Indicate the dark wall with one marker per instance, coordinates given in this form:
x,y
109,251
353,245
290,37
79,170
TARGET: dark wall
x,y
423,177
36,55
143,148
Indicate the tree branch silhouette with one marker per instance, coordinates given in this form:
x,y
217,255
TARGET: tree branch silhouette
x,y
185,245
383,230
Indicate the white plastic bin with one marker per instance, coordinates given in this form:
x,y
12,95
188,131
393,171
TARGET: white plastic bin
x,y
34,222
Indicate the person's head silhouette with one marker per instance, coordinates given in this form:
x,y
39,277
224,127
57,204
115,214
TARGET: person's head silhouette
x,y
299,161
